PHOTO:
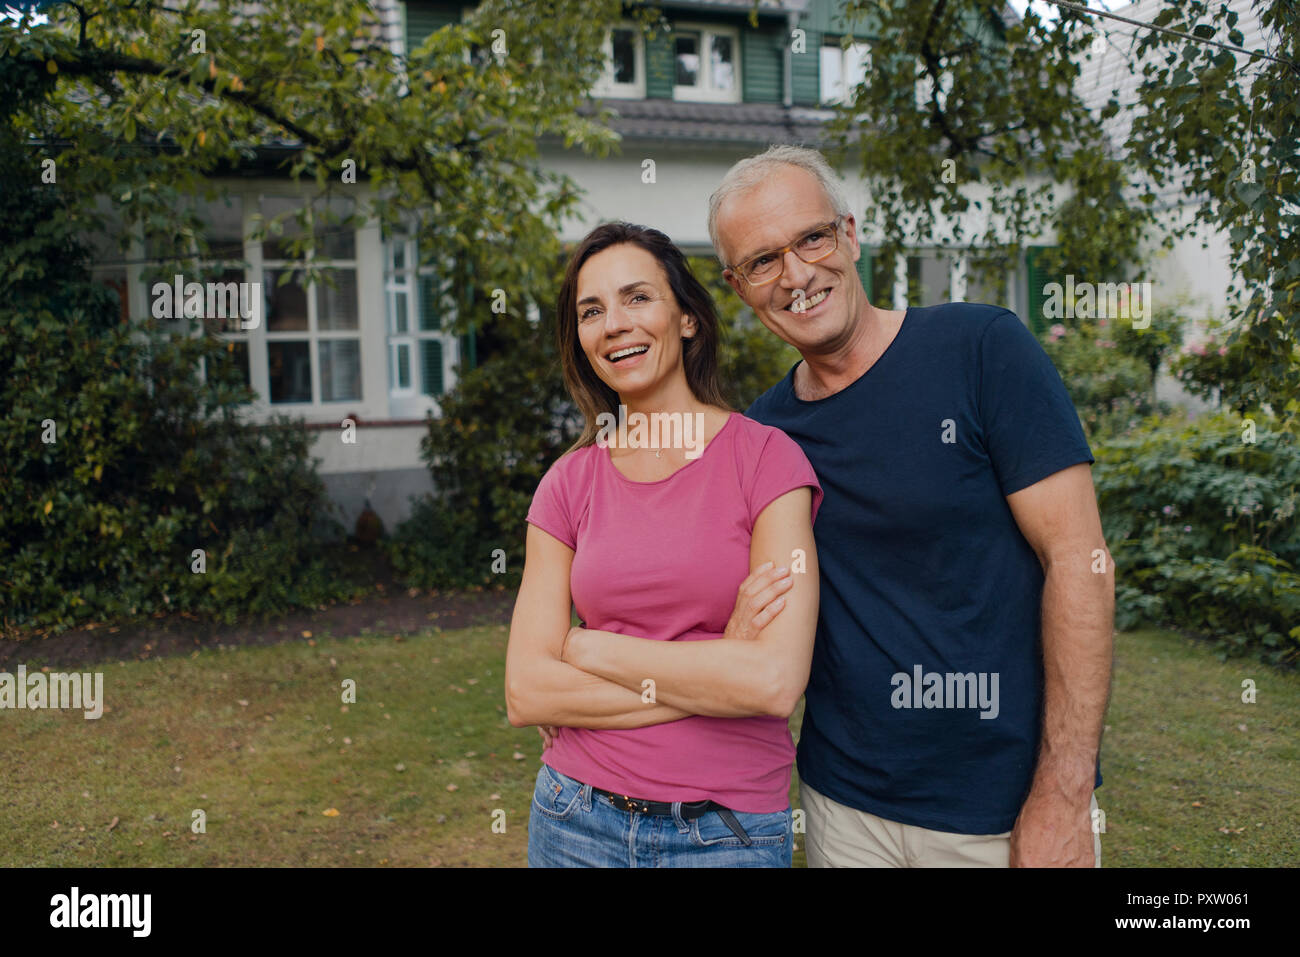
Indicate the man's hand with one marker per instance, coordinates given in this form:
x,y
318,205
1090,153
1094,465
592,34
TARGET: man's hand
x,y
1053,830
547,731
758,600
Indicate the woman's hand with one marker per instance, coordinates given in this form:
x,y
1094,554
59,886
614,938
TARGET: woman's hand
x,y
759,600
567,647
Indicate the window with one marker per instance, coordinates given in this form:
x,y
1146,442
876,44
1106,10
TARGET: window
x,y
929,277
707,64
421,348
312,330
220,274
625,64
842,69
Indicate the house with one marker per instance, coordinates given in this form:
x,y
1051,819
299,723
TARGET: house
x,y
373,348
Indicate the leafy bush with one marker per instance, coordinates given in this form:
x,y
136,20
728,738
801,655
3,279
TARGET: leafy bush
x,y
1213,361
1111,390
1156,341
118,459
1247,602
501,427
1201,521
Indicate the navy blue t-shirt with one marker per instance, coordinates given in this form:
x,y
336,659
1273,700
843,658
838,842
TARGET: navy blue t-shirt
x,y
924,702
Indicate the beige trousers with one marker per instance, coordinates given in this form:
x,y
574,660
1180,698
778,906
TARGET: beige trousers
x,y
840,836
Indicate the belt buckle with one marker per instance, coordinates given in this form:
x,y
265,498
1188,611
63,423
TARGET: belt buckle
x,y
631,805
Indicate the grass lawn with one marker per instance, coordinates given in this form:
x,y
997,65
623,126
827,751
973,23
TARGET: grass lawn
x,y
412,773
1194,776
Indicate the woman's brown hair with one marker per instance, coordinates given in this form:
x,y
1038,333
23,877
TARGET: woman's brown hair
x,y
699,352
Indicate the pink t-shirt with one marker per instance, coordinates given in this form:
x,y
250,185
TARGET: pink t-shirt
x,y
663,560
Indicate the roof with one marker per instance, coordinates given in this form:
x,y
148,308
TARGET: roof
x,y
764,123
761,7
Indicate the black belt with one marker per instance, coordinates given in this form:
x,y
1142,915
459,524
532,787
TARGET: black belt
x,y
688,812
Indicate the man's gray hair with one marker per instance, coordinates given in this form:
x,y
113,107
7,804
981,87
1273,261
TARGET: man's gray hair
x,y
753,170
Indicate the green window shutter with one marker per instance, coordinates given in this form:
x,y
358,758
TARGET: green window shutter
x,y
423,18
806,71
430,304
1039,275
761,69
864,272
469,349
431,366
660,68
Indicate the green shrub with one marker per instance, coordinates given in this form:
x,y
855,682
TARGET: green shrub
x,y
148,460
1246,602
501,427
1112,391
1157,340
1214,362
1202,524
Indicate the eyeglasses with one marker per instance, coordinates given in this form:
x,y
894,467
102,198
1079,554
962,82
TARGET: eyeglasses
x,y
811,247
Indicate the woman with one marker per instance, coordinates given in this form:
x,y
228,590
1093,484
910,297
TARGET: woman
x,y
695,576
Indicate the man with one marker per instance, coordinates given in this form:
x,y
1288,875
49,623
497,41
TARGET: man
x,y
963,650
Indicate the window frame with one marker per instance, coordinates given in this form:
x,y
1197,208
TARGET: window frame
x,y
605,86
313,334
405,281
861,50
707,93
213,267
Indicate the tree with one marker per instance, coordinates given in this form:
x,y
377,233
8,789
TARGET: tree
x,y
149,99
139,104
957,101
1227,126
994,105
128,482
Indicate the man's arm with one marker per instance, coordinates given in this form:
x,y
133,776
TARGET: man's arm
x,y
729,676
540,688
1058,517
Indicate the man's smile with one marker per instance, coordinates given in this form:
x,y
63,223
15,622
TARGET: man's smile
x,y
802,307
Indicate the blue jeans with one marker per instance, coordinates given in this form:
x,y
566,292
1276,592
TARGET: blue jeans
x,y
571,827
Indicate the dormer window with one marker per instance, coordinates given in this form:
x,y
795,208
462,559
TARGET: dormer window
x,y
624,64
842,70
707,64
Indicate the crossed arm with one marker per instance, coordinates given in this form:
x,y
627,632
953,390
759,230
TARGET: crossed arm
x,y
593,679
